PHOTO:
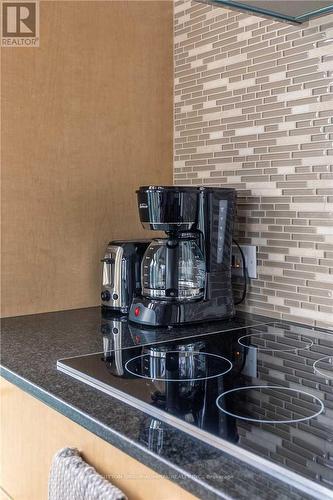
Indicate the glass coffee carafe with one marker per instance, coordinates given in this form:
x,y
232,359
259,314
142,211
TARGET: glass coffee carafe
x,y
186,269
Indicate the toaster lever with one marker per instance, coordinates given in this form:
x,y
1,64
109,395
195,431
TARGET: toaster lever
x,y
108,261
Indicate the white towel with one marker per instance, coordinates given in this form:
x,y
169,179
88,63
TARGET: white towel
x,y
73,479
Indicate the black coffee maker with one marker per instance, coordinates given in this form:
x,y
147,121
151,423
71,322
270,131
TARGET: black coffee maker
x,y
185,277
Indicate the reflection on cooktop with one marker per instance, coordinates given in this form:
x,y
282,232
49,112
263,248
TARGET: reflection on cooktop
x,y
275,341
177,366
269,404
324,367
267,389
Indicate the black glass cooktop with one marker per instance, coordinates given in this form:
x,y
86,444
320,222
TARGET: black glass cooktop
x,y
260,392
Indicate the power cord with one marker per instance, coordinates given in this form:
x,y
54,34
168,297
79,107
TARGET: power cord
x,y
244,274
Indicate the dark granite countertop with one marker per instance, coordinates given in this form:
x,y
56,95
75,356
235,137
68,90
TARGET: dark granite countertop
x,y
31,346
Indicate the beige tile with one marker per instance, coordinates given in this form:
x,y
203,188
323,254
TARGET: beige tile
x,y
276,145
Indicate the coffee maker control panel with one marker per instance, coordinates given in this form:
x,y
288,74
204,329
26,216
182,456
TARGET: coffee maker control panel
x,y
223,209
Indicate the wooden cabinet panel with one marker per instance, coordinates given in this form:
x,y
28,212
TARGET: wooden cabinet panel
x,y
31,433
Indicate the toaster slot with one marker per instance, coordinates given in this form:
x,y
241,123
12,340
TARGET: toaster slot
x,y
108,271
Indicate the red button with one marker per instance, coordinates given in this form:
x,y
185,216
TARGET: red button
x,y
137,311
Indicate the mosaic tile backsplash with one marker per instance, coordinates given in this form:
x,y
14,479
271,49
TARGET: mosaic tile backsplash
x,y
254,111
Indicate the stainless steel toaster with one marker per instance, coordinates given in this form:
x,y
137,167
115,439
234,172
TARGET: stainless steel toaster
x,y
121,273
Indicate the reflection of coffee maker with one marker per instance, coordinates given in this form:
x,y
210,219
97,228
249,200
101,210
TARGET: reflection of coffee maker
x,y
186,277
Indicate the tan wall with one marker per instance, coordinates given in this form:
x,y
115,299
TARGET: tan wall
x,y
253,110
87,118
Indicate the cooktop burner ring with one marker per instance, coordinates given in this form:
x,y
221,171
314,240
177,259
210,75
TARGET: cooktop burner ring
x,y
192,379
308,343
265,421
319,370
